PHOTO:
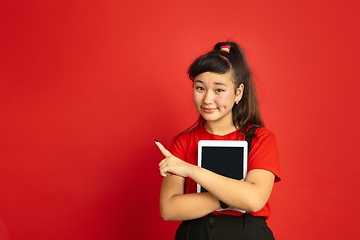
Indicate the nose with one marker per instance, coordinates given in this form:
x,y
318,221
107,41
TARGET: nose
x,y
208,98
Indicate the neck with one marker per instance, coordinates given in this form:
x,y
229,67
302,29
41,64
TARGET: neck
x,y
219,129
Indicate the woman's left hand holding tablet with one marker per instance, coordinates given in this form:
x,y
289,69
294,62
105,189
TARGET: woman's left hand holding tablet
x,y
171,164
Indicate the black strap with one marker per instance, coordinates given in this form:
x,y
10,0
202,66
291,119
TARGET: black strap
x,y
223,205
251,132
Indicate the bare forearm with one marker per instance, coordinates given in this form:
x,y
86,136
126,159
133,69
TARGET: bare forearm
x,y
240,194
188,206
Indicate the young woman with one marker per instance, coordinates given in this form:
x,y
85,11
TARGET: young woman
x,y
224,94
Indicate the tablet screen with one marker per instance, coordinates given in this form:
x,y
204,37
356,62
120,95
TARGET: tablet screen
x,y
226,161
227,158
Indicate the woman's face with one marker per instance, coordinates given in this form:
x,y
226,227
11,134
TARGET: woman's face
x,y
214,96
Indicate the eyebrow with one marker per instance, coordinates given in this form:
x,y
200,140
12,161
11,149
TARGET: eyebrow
x,y
220,83
216,83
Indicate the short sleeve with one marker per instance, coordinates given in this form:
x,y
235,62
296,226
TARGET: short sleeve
x,y
264,153
176,147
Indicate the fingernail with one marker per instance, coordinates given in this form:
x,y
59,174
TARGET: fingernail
x,y
156,140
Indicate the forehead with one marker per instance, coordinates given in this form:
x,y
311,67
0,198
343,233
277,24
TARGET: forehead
x,y
210,78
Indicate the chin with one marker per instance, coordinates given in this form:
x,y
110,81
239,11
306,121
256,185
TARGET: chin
x,y
209,119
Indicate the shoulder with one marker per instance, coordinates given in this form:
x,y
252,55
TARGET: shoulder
x,y
264,133
186,136
264,139
182,142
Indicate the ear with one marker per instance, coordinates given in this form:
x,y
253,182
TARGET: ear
x,y
239,93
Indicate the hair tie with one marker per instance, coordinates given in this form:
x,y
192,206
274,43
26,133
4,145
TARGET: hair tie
x,y
225,48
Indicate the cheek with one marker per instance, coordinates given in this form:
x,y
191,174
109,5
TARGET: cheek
x,y
226,101
196,98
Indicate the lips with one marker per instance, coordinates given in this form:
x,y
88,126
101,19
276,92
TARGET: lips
x,y
208,110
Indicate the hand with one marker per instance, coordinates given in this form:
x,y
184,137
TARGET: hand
x,y
171,164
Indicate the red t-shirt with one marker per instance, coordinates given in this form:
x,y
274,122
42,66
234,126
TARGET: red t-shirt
x,y
263,155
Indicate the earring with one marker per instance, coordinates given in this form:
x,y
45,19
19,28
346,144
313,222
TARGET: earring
x,y
237,102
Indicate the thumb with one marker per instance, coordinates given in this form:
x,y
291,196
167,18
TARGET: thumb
x,y
163,150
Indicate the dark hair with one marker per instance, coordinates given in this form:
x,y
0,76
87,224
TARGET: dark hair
x,y
247,112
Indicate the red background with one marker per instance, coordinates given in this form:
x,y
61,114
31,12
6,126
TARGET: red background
x,y
87,85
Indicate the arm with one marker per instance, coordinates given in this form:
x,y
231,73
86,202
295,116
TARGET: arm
x,y
250,194
176,206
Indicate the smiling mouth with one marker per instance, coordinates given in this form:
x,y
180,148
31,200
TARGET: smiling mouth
x,y
208,110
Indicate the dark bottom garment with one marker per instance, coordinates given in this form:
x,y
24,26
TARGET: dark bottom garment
x,y
224,227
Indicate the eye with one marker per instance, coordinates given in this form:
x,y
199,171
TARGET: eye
x,y
219,90
199,88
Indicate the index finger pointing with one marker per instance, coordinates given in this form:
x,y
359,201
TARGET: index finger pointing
x,y
163,150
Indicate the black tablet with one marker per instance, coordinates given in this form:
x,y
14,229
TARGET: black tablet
x,y
227,158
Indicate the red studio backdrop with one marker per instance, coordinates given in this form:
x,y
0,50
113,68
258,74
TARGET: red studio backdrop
x,y
86,86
